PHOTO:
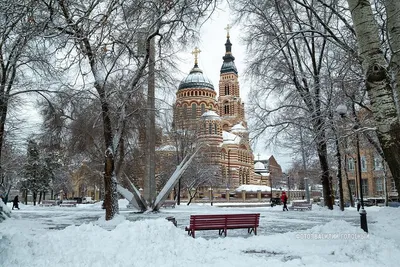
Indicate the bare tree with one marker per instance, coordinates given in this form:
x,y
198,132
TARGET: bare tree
x,y
23,55
102,37
201,175
295,70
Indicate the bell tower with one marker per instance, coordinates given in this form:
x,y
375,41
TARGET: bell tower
x,y
231,108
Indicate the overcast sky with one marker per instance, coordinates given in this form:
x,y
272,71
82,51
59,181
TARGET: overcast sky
x,y
212,45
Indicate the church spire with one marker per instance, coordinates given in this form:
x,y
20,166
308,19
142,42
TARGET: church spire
x,y
228,65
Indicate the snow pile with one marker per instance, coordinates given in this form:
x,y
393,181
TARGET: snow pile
x,y
157,242
5,211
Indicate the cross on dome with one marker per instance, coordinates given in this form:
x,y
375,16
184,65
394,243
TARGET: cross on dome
x,y
196,53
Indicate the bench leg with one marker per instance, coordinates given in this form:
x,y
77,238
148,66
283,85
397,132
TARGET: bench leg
x,y
222,231
254,229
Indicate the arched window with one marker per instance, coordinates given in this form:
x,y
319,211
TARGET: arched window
x,y
203,108
215,129
226,108
184,111
226,89
210,128
194,111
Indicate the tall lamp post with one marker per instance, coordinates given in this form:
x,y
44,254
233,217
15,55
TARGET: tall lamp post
x,y
342,110
288,184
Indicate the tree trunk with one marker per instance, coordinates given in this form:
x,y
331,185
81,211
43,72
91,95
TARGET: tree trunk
x,y
393,24
34,195
26,196
110,184
323,160
191,197
378,82
339,174
111,196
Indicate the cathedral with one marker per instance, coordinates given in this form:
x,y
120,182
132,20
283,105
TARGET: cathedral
x,y
218,118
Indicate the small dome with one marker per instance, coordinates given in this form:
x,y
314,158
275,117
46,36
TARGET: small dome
x,y
196,79
239,128
259,166
210,115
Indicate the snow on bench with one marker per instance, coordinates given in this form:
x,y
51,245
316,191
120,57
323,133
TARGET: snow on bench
x,y
300,205
68,203
48,203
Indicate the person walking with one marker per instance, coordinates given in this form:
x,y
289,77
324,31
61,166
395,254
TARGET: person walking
x,y
284,199
15,202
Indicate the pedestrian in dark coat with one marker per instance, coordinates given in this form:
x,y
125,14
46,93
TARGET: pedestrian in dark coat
x,y
284,200
15,202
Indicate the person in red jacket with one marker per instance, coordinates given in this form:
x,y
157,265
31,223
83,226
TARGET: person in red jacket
x,y
284,200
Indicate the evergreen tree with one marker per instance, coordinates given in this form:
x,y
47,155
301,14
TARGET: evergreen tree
x,y
38,172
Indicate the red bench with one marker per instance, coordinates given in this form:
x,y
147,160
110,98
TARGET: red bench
x,y
223,222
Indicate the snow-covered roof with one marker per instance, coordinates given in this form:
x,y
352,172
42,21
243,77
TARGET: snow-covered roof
x,y
210,115
259,166
196,79
166,148
239,128
230,138
253,188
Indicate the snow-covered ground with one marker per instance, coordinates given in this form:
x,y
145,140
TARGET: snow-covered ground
x,y
55,236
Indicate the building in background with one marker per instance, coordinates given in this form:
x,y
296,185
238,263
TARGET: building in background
x,y
218,123
372,175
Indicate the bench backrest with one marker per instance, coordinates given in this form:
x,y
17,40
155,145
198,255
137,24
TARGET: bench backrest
x,y
301,204
48,201
225,219
70,202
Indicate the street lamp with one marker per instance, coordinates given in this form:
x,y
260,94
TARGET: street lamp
x,y
288,185
342,110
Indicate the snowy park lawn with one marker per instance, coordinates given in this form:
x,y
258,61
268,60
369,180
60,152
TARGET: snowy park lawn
x,y
74,237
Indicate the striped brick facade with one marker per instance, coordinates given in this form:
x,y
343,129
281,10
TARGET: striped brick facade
x,y
219,122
